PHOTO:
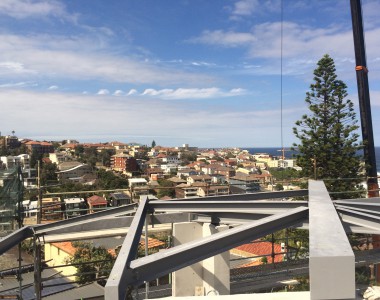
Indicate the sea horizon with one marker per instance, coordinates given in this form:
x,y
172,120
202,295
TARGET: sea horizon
x,y
276,151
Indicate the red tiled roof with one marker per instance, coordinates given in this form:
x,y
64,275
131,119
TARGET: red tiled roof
x,y
66,247
152,243
258,248
96,200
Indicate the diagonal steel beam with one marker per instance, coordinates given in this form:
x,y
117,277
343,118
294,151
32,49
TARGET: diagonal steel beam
x,y
361,200
15,238
161,263
359,218
115,288
360,204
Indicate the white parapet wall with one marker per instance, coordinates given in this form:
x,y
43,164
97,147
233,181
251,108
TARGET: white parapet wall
x,y
331,259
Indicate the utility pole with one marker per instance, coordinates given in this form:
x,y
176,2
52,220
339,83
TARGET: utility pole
x,y
364,99
39,212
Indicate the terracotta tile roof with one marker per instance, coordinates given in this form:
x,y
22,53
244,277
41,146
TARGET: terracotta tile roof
x,y
66,247
96,200
258,248
152,243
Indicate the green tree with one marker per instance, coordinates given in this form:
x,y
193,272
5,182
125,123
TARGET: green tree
x,y
153,143
48,173
169,191
328,136
96,271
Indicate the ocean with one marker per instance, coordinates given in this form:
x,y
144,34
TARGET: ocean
x,y
276,151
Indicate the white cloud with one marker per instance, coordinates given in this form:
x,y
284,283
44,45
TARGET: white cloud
x,y
225,38
53,87
18,84
103,92
21,9
118,93
76,58
245,7
132,92
194,93
219,126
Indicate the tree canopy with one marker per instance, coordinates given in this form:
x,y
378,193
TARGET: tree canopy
x,y
328,139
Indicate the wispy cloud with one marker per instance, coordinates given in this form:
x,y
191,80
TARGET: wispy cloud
x,y
103,92
21,9
220,126
18,84
53,87
118,93
194,93
71,57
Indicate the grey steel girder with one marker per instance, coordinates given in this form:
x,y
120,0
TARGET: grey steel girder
x,y
256,207
114,222
77,221
115,288
360,204
253,196
359,218
15,238
161,263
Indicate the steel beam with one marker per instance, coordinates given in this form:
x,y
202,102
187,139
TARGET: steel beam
x,y
161,263
331,259
361,200
15,238
360,205
359,218
252,196
115,223
77,221
115,287
257,207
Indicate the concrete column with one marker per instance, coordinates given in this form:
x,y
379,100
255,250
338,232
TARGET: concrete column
x,y
208,277
187,280
216,269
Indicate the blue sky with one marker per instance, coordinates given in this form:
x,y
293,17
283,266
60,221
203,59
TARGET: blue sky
x,y
202,72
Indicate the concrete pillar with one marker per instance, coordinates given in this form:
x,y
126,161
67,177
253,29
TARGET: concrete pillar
x,y
208,277
187,280
216,269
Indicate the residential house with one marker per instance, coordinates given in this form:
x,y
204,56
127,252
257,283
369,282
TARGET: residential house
x,y
51,209
242,183
59,157
118,199
39,147
11,142
138,186
213,190
186,191
258,252
74,207
77,174
199,178
10,162
96,203
186,172
155,173
124,163
57,254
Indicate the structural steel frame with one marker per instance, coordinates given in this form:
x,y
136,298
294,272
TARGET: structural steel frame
x,y
259,214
